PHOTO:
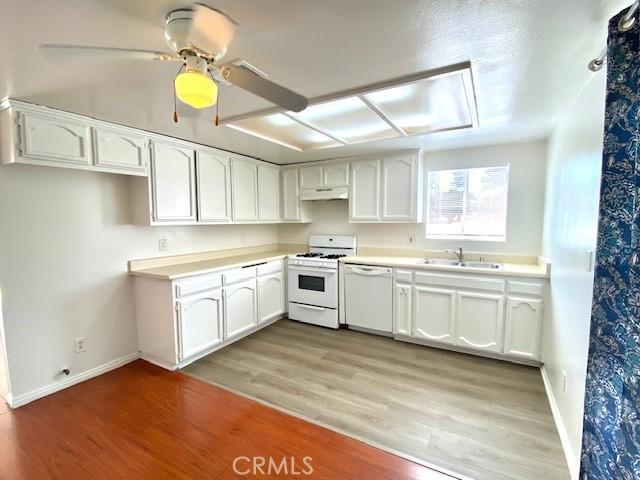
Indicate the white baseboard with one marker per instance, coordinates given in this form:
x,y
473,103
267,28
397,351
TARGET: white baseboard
x,y
20,400
573,461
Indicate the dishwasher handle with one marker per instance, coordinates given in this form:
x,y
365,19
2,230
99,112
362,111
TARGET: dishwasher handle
x,y
368,270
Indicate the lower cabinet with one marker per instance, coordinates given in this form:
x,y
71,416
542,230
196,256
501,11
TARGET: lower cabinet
x,y
434,313
402,309
480,320
200,323
270,296
523,327
240,303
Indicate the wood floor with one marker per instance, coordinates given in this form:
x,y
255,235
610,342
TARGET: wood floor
x,y
142,422
479,417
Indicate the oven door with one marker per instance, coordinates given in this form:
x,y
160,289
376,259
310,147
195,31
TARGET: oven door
x,y
313,286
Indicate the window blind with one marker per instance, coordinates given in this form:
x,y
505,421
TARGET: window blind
x,y
468,203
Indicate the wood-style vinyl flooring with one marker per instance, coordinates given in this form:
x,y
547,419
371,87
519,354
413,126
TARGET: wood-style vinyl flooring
x,y
143,422
484,418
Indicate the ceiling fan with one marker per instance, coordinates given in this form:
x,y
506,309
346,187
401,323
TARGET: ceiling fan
x,y
199,37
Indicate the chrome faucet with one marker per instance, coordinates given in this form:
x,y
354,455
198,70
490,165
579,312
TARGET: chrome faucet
x,y
458,253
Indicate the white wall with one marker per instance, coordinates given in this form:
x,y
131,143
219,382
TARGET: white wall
x,y
570,234
65,239
525,214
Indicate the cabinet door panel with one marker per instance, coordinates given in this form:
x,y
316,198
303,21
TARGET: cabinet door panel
x,y
49,138
200,322
245,190
290,196
335,175
399,189
522,332
364,196
214,187
240,308
402,310
173,183
268,193
480,321
270,297
434,314
120,151
311,177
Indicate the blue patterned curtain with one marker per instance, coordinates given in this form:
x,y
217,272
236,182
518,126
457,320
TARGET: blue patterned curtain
x,y
611,438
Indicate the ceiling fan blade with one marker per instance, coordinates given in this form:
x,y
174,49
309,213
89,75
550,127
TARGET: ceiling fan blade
x,y
125,53
212,30
246,79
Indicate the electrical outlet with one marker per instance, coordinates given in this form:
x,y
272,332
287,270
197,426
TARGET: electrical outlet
x,y
412,239
80,344
162,245
564,381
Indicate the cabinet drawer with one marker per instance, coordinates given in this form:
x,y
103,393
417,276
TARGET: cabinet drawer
x,y
528,287
326,317
404,276
461,281
197,284
270,267
238,274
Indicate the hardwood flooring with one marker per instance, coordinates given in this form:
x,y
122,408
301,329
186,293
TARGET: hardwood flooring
x,y
479,417
143,422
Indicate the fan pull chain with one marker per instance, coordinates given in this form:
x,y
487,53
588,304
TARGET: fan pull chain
x,y
215,120
175,101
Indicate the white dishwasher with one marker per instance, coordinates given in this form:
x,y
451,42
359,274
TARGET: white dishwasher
x,y
368,292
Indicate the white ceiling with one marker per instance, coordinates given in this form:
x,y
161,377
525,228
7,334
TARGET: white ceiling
x,y
528,57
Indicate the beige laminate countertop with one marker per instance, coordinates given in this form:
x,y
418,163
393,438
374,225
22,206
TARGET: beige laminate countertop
x,y
181,270
540,270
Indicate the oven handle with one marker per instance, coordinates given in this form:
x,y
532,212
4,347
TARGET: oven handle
x,y
311,307
311,269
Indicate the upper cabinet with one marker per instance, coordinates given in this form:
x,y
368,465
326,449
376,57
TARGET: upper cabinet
x,y
268,193
335,175
213,173
120,150
311,177
386,190
329,180
293,209
173,183
244,175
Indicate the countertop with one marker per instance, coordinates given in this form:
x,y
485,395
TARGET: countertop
x,y
540,270
181,270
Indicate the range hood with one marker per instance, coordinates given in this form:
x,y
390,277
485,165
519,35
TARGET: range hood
x,y
335,193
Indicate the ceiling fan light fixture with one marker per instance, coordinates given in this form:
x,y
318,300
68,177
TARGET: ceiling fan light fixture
x,y
194,86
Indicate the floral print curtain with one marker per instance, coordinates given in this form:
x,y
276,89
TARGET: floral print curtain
x,y
611,438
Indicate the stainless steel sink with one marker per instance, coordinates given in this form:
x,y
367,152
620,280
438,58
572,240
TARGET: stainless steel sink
x,y
441,261
490,265
444,262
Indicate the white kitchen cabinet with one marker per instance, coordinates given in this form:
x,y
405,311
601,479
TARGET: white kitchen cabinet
x,y
402,309
480,320
270,296
240,302
311,177
119,150
335,175
244,180
268,193
293,209
399,189
173,183
434,313
364,191
53,138
523,327
200,320
214,187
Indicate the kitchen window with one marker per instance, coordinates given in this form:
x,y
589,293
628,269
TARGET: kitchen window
x,y
468,204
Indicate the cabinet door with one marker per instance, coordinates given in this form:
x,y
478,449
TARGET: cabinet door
x,y
399,189
480,321
335,175
200,323
214,187
290,195
120,151
173,183
311,177
244,175
402,310
268,193
522,332
434,314
364,198
54,139
270,297
240,308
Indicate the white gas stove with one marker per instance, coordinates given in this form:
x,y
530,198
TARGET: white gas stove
x,y
313,279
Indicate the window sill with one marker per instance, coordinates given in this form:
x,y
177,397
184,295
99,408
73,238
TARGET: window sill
x,y
471,238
